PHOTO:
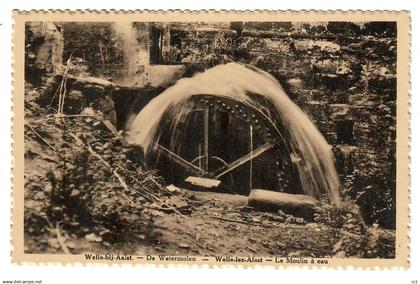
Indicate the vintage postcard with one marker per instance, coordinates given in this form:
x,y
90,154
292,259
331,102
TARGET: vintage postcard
x,y
211,138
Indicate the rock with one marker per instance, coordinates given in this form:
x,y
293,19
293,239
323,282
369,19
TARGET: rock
x,y
296,204
333,66
295,83
48,188
340,112
93,93
184,245
74,193
172,188
93,238
300,221
45,44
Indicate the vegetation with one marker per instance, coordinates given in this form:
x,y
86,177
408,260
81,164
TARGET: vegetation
x,y
93,43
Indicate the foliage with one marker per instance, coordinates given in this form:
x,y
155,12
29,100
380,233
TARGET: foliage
x,y
387,29
374,191
352,238
81,180
343,28
93,43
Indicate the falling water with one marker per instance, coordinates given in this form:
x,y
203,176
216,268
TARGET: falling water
x,y
312,154
348,152
134,48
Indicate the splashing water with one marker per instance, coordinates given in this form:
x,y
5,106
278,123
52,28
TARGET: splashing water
x,y
315,162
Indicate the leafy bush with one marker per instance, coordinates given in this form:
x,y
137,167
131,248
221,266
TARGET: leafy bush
x,y
82,181
94,43
352,238
374,191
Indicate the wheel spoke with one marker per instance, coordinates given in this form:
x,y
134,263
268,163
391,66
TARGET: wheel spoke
x,y
179,160
251,155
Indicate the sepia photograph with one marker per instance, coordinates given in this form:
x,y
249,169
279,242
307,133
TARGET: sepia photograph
x,y
223,141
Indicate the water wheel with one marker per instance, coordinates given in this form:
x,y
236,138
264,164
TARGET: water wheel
x,y
227,145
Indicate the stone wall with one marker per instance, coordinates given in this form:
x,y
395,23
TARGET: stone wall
x,y
342,76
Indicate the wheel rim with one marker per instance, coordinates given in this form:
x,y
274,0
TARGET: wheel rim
x,y
268,139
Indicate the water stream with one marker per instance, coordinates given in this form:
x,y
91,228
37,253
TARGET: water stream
x,y
135,50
